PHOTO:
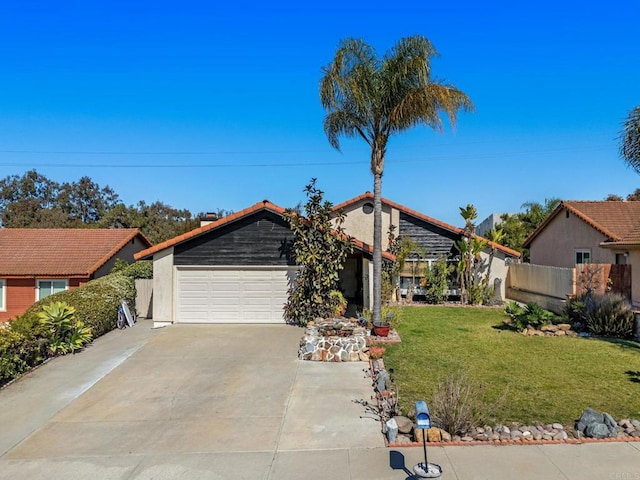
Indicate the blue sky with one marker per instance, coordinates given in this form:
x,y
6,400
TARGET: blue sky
x,y
208,105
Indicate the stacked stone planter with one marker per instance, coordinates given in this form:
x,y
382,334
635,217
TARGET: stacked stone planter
x,y
334,340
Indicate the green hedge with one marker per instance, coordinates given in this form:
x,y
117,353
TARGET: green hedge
x,y
96,302
141,269
24,342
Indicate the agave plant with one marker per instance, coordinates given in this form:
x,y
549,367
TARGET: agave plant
x,y
66,333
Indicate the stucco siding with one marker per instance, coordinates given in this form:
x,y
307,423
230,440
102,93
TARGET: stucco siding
x,y
359,224
499,270
163,284
125,253
634,260
557,243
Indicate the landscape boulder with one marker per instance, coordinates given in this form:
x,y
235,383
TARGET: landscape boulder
x,y
596,425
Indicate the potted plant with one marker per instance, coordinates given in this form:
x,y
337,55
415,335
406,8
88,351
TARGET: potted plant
x,y
381,329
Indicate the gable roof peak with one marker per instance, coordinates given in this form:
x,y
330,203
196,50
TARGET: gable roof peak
x,y
615,219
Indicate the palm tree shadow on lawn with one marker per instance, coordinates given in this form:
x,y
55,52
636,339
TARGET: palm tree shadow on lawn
x,y
634,376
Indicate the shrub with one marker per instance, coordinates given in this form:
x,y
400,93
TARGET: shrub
x,y
436,281
119,265
531,316
11,362
608,315
339,303
67,333
321,248
27,341
141,269
96,303
458,403
512,308
19,353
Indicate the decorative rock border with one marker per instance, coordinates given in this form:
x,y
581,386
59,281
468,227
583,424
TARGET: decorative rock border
x,y
558,330
499,435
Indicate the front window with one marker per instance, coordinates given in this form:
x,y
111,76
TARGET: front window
x,y
583,256
49,287
3,300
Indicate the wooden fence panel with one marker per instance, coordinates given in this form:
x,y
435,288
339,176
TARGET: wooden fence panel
x,y
144,298
602,277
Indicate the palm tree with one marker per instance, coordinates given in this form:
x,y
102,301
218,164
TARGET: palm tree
x,y
373,98
630,139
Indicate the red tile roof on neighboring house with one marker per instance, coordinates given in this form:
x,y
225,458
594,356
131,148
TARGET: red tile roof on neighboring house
x,y
423,217
264,205
618,221
60,252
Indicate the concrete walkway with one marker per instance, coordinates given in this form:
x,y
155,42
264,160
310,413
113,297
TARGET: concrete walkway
x,y
233,402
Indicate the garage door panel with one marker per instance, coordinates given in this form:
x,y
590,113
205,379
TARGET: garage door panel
x,y
232,295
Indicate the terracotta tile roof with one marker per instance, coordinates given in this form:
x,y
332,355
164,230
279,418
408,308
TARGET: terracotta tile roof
x,y
60,252
365,247
423,217
618,221
264,205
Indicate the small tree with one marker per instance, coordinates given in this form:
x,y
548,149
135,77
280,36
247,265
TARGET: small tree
x,y
320,249
470,263
402,247
436,281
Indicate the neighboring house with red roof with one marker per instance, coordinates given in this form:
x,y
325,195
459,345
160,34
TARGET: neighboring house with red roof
x,y
435,237
237,269
36,262
605,232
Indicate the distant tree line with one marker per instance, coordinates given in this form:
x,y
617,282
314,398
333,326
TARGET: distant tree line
x,y
34,201
632,197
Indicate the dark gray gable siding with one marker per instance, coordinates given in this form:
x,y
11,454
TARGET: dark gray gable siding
x,y
436,241
262,238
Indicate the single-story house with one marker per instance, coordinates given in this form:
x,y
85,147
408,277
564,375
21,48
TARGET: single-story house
x,y
436,238
602,232
237,269
36,262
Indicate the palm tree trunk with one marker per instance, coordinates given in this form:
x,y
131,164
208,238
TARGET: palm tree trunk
x,y
377,246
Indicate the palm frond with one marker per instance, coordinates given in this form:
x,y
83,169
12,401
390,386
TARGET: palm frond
x,y
630,139
342,122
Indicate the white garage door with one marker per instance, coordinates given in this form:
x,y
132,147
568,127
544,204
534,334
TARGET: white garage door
x,y
220,295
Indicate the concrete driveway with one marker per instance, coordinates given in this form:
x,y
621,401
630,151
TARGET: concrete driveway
x,y
233,402
188,401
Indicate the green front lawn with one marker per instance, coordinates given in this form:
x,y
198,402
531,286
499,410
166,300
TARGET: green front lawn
x,y
546,379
